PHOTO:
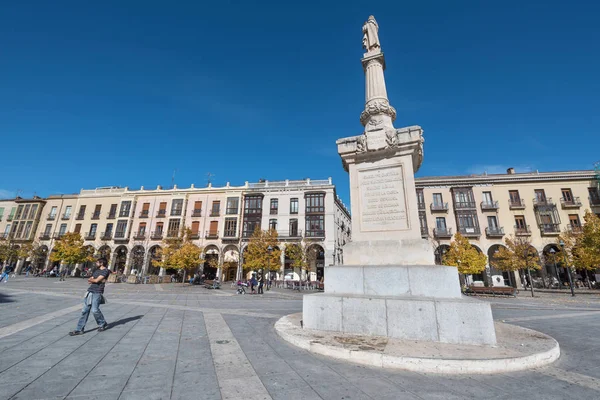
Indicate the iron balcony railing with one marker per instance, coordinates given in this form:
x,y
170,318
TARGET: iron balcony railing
x,y
144,213
59,235
197,212
494,231
112,215
516,204
315,234
489,205
215,213
594,200
522,230
231,211
161,214
156,235
211,235
106,235
543,202
119,234
290,233
550,228
96,215
124,214
573,202
176,212
45,236
194,235
575,228
65,216
173,234
90,236
469,230
423,231
442,232
421,205
140,235
273,211
10,217
439,207
464,205
80,216
51,217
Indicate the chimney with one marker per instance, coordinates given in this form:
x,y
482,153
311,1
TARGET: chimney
x,y
510,171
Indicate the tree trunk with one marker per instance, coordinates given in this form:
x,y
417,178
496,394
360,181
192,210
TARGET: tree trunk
x,y
183,281
530,281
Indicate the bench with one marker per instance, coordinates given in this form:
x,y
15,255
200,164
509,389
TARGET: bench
x,y
493,290
212,284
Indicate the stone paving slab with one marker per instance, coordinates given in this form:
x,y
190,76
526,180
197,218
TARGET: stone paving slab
x,y
160,348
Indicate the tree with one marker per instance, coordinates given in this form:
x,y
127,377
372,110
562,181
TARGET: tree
x,y
69,249
257,255
583,249
517,255
302,255
180,253
464,256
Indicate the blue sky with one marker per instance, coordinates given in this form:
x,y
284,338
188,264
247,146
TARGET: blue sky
x,y
125,92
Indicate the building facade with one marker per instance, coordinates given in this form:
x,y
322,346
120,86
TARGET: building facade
x,y
487,208
128,226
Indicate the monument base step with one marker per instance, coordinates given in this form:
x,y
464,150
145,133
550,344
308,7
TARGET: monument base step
x,y
447,320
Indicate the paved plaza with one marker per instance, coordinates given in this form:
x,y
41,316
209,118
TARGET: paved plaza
x,y
174,342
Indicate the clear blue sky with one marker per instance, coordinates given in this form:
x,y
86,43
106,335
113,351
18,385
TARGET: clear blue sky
x,y
125,92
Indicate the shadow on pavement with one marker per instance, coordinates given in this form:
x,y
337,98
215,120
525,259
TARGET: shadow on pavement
x,y
4,298
124,321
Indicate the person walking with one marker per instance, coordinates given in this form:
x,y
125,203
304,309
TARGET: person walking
x,y
5,274
261,282
93,298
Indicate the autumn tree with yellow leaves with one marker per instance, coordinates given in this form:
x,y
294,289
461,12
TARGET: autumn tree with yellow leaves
x,y
69,249
180,253
464,256
582,249
257,255
517,255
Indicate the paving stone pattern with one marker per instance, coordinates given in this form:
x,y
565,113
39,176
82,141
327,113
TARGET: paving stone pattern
x,y
175,342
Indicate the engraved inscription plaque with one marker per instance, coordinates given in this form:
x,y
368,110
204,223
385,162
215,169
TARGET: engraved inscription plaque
x,y
383,205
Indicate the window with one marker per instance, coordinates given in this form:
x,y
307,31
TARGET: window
x,y
274,206
487,198
294,227
216,208
515,199
540,196
594,195
230,227
214,228
97,209
142,229
423,222
253,205
26,211
108,232
13,232
113,211
93,230
159,228
574,221
81,212
315,203
197,209
62,230
162,209
232,205
19,212
176,207
420,198
173,230
195,227
19,229
67,213
567,195
294,206
125,208
249,226
520,222
121,228
47,230
463,198
440,223
492,223
438,200
32,213
12,214
27,230
77,228
315,225
466,221
273,224
7,230
145,210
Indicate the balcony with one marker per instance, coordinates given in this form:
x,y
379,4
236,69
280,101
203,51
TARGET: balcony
x,y
10,217
215,213
290,234
464,205
438,207
139,235
119,235
489,205
441,233
573,202
80,216
156,235
542,202
65,217
594,201
106,236
197,212
521,230
421,206
550,229
161,214
90,236
173,234
575,228
59,235
144,214
469,231
124,214
45,236
494,231
176,213
4,236
211,235
273,211
112,215
516,204
315,234
194,236
96,215
424,232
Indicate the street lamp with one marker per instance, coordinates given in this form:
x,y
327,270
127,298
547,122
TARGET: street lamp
x,y
553,252
269,250
528,271
562,246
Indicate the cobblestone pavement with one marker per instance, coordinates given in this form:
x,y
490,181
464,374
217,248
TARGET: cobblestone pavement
x,y
174,342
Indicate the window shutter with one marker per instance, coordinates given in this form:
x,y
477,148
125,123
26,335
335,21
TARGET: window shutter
x,y
214,227
197,205
195,227
77,228
146,207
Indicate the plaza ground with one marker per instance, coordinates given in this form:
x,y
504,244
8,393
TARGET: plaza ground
x,y
174,342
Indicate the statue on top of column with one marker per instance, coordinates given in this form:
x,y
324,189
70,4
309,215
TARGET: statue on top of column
x,y
370,35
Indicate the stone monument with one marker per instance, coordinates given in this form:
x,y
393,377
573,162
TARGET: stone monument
x,y
389,285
